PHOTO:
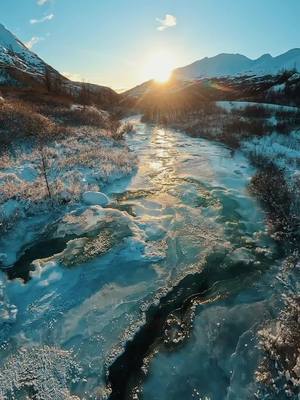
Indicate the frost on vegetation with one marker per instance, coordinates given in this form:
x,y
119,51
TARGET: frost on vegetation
x,y
282,150
277,181
279,371
41,373
75,164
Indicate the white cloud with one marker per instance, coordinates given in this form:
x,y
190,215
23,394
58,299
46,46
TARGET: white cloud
x,y
168,22
42,2
39,21
33,41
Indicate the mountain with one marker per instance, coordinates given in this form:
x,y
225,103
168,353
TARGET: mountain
x,y
238,65
14,53
21,68
17,61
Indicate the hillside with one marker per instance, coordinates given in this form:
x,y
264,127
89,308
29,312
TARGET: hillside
x,y
179,95
22,69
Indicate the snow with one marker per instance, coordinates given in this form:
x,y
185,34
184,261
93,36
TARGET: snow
x,y
13,52
282,150
231,105
237,64
10,207
95,198
8,40
278,88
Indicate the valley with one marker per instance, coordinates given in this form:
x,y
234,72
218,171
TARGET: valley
x,y
149,239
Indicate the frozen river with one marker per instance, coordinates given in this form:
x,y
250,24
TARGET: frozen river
x,y
157,296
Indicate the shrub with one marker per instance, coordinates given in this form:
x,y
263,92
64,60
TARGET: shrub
x,y
247,127
270,187
113,126
18,121
88,116
252,111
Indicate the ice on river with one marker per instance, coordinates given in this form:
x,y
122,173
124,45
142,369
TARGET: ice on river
x,y
187,200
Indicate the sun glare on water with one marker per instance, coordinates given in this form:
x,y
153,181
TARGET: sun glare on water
x,y
159,67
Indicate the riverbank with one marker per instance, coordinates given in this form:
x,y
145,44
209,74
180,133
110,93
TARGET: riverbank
x,y
178,267
54,157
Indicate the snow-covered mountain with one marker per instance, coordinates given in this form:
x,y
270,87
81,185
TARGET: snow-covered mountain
x,y
237,64
15,54
20,67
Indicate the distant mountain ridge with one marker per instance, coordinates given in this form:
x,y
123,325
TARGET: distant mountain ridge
x,y
237,64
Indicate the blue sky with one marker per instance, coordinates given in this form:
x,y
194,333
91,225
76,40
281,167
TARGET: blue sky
x,y
116,42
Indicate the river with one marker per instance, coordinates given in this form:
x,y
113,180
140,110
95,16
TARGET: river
x,y
168,299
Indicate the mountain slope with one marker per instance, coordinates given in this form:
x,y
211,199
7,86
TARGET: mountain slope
x,y
237,64
178,95
15,54
21,68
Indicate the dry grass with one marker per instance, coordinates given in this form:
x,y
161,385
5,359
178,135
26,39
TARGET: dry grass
x,y
21,121
78,116
78,147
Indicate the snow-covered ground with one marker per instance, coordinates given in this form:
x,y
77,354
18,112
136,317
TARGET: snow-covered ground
x,y
85,160
240,105
282,150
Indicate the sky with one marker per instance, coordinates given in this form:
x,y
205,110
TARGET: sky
x,y
121,43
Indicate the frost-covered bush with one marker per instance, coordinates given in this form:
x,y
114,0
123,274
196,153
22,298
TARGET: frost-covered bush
x,y
280,199
252,111
55,165
17,189
282,150
39,372
76,116
83,161
280,340
277,181
105,161
127,127
113,127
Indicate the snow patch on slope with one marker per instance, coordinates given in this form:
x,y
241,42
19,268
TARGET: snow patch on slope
x,y
14,53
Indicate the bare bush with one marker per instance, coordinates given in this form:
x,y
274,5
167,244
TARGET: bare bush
x,y
19,121
81,116
113,127
253,111
271,188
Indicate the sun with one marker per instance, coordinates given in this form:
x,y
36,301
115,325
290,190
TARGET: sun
x,y
159,66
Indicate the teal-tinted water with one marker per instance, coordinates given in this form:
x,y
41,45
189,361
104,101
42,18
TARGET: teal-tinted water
x,y
179,262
